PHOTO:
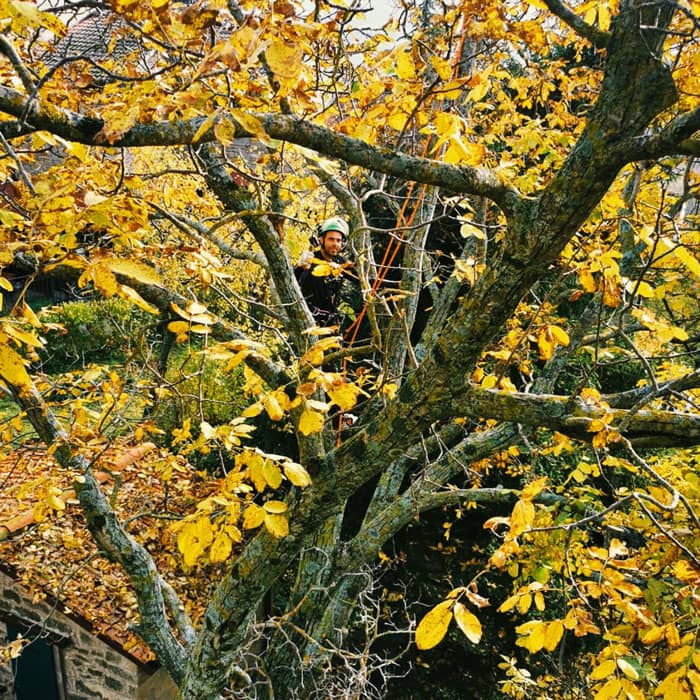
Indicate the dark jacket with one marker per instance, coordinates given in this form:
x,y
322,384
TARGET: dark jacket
x,y
322,294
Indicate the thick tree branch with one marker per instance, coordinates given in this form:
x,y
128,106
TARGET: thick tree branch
x,y
633,397
596,36
76,127
237,198
676,138
274,374
574,417
110,536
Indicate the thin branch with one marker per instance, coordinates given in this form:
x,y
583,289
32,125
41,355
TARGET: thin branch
x,y
196,230
18,163
25,76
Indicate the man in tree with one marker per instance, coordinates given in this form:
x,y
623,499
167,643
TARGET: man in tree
x,y
321,272
553,192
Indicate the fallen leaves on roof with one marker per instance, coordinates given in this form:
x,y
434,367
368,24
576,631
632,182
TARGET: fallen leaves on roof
x,y
54,556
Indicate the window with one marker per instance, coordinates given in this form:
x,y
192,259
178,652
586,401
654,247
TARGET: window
x,y
37,671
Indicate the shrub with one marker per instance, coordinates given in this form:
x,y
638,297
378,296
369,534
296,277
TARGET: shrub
x,y
200,389
102,330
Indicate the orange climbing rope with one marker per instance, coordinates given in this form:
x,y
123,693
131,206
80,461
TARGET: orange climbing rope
x,y
395,242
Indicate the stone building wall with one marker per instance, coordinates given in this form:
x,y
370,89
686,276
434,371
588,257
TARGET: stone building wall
x,y
88,668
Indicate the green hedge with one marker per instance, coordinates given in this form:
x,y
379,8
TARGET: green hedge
x,y
102,330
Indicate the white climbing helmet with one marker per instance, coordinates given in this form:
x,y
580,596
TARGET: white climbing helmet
x,y
335,223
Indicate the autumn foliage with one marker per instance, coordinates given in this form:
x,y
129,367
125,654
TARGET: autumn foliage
x,y
518,345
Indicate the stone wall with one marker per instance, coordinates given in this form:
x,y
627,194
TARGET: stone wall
x,y
90,668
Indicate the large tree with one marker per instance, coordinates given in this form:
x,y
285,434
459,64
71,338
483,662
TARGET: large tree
x,y
535,162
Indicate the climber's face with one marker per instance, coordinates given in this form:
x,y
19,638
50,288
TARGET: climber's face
x,y
331,244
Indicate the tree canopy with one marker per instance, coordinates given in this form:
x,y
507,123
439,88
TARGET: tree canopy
x,y
521,184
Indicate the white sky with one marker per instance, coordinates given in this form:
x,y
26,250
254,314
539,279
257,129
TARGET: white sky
x,y
381,11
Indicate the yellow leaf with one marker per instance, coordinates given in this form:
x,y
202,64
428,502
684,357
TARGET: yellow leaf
x,y
272,407
322,269
405,67
672,635
276,525
253,517
389,390
433,627
12,369
489,381
193,539
54,499
272,473
628,669
23,337
467,230
533,488
225,131
344,395
255,409
296,474
609,690
553,635
631,690
284,59
495,524
442,67
522,517
275,507
678,656
256,473
509,603
132,269
220,549
603,670
688,259
545,345
6,284
250,123
29,314
465,270
178,327
314,356
524,603
559,335
28,14
533,635
587,280
468,623
644,289
479,90
133,296
207,124
687,573
651,635
674,686
310,422
694,679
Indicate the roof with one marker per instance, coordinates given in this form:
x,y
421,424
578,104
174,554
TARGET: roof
x,y
56,559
